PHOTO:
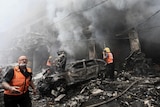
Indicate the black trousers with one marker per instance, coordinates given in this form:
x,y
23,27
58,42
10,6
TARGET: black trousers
x,y
110,71
23,100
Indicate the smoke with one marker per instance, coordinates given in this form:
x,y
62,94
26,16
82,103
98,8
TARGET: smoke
x,y
104,19
72,23
14,16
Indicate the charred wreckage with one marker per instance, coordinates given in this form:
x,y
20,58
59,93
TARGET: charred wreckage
x,y
54,82
84,83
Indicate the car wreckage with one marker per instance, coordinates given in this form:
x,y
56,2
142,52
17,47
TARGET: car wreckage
x,y
55,83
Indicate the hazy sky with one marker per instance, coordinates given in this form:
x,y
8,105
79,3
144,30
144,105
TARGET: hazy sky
x,y
14,12
9,11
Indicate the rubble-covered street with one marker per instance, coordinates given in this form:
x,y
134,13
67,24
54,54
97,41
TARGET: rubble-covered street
x,y
126,91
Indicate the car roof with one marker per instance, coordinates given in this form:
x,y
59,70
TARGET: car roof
x,y
84,60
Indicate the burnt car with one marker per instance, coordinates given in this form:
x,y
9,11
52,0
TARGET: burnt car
x,y
84,70
78,71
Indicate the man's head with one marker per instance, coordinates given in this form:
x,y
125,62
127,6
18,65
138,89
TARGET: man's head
x,y
22,61
50,57
60,52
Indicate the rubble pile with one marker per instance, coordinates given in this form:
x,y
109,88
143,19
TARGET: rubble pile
x,y
133,92
138,64
1,98
1,91
137,84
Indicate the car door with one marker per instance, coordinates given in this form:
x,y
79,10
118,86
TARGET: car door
x,y
102,64
77,72
92,68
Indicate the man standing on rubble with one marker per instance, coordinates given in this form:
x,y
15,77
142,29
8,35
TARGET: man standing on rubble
x,y
60,61
16,84
50,64
49,61
108,57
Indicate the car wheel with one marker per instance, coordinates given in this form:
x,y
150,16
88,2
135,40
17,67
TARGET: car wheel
x,y
101,74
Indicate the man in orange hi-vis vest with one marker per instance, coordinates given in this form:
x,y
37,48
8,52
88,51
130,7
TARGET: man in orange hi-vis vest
x,y
50,64
49,61
108,57
16,83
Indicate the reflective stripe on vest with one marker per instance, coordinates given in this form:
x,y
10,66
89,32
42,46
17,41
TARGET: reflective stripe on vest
x,y
19,80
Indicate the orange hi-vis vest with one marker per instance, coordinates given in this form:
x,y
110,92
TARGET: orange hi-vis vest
x,y
19,80
49,63
109,58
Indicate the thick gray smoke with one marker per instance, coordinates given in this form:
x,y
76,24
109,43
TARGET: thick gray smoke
x,y
104,19
71,23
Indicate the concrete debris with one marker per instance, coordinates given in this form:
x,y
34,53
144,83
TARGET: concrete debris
x,y
54,93
1,98
59,97
96,91
144,93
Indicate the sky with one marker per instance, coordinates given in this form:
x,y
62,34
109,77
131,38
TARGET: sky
x,y
9,11
14,13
